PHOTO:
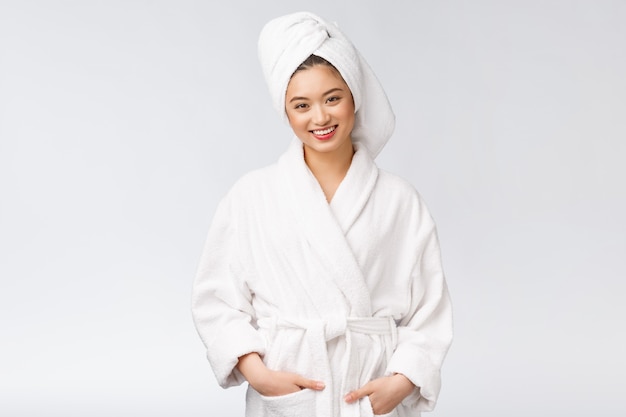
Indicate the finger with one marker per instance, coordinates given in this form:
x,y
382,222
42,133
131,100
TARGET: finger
x,y
357,394
311,384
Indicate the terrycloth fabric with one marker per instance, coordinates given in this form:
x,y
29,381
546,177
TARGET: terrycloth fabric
x,y
342,292
287,41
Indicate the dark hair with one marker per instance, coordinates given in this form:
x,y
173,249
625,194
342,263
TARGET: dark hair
x,y
312,61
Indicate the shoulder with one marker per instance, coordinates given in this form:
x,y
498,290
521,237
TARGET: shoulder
x,y
397,188
401,196
256,178
253,182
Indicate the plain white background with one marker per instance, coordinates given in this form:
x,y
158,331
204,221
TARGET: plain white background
x,y
122,123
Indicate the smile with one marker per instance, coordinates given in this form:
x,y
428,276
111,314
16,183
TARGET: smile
x,y
324,131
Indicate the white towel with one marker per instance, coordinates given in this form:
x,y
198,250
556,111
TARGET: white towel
x,y
285,42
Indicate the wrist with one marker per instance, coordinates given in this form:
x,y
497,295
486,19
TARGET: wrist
x,y
405,385
252,368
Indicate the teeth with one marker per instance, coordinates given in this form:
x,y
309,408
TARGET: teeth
x,y
324,132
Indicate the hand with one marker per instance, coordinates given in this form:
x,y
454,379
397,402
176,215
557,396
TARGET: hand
x,y
384,393
273,383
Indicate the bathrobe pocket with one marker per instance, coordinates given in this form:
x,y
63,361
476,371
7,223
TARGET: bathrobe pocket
x,y
297,404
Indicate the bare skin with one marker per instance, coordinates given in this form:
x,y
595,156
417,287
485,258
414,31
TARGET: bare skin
x,y
320,109
273,383
329,169
384,393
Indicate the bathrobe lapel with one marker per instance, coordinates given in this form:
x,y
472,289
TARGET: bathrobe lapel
x,y
355,189
324,227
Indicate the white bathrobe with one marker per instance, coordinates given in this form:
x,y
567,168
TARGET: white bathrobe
x,y
342,292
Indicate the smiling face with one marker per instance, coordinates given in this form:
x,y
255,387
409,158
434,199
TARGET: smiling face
x,y
320,109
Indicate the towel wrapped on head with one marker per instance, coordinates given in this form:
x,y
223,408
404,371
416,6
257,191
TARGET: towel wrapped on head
x,y
285,42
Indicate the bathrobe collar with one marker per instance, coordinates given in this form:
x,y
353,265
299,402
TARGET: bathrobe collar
x,y
355,189
324,225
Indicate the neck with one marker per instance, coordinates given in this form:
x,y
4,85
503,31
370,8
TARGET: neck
x,y
329,168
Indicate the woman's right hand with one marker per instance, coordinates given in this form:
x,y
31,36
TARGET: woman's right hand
x,y
273,383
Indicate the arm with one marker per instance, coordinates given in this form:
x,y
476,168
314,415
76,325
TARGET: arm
x,y
223,315
222,302
425,333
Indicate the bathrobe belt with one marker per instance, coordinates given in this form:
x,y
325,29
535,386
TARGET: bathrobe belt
x,y
320,331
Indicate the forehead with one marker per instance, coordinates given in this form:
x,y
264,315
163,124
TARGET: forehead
x,y
315,80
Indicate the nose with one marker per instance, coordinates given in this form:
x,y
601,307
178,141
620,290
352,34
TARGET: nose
x,y
320,116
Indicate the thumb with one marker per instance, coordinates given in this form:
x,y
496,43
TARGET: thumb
x,y
357,394
311,384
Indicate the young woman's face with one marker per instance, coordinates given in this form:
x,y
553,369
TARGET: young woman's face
x,y
320,109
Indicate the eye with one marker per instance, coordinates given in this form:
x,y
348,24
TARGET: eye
x,y
300,106
332,99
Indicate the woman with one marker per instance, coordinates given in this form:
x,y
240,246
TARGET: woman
x,y
321,281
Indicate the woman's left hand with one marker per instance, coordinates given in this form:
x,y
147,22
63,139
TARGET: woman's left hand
x,y
385,393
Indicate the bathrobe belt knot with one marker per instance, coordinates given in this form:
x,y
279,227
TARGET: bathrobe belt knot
x,y
320,331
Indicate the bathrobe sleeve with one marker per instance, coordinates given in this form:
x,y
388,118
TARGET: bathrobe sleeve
x,y
425,332
221,301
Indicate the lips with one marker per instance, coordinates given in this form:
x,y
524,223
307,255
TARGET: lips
x,y
324,134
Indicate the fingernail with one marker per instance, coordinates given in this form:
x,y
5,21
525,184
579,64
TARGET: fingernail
x,y
320,385
348,398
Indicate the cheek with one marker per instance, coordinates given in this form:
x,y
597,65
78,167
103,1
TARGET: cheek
x,y
348,115
291,118
296,122
293,122
347,109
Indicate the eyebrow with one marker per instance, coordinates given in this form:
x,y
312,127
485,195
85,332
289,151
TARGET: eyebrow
x,y
332,90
